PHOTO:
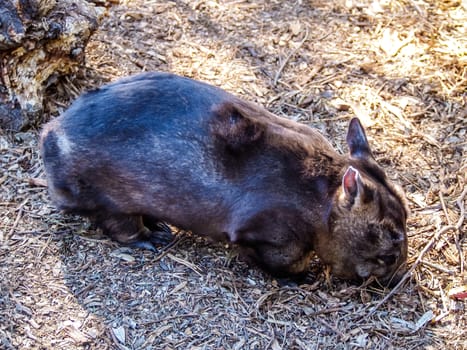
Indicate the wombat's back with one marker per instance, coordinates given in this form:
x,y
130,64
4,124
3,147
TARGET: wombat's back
x,y
142,105
155,143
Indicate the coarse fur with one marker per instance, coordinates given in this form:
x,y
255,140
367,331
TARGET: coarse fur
x,y
157,147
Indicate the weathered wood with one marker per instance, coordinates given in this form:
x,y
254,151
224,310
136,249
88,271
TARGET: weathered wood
x,y
40,40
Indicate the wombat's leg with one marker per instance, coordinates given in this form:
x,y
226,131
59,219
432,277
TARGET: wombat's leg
x,y
129,230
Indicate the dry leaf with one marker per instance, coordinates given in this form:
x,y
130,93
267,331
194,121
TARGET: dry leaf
x,y
119,333
426,317
275,345
458,292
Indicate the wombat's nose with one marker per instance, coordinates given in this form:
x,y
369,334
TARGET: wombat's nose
x,y
389,259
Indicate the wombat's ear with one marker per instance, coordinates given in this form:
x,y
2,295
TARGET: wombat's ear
x,y
235,127
357,141
352,183
354,189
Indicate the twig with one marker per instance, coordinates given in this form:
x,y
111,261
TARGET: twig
x,y
327,311
191,266
333,328
168,247
37,182
44,247
18,218
438,267
416,7
168,318
284,63
443,205
460,204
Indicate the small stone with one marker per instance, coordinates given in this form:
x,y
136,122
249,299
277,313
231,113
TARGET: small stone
x,y
4,145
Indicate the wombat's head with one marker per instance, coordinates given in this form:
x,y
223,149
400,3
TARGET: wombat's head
x,y
367,223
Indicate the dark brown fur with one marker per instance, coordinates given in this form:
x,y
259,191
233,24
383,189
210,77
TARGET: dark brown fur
x,y
160,148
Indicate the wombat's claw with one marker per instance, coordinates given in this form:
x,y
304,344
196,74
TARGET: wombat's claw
x,y
160,237
163,227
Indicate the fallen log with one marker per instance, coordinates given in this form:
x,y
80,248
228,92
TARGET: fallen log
x,y
40,40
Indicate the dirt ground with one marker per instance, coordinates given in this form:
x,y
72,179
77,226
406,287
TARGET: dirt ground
x,y
400,65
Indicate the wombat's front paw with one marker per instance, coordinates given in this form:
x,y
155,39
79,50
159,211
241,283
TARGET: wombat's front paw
x,y
157,234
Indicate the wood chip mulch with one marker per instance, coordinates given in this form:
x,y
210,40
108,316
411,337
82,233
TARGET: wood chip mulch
x,y
400,65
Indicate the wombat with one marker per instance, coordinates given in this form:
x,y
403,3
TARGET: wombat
x,y
158,148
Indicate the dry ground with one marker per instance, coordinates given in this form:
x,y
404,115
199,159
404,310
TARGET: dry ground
x,y
400,65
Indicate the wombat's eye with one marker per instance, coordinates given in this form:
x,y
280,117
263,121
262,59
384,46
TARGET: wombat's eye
x,y
386,259
396,235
